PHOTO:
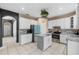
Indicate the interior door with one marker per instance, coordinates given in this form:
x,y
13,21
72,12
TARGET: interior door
x,y
7,29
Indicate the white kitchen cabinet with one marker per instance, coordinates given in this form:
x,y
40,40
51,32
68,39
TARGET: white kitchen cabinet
x,y
24,23
25,38
35,39
44,41
75,22
51,24
65,23
63,39
77,16
72,48
47,42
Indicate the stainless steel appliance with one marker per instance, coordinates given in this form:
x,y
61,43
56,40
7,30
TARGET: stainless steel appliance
x,y
56,33
35,29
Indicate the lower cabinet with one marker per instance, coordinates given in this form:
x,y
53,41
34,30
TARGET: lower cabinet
x,y
47,42
63,39
36,39
25,38
44,42
72,48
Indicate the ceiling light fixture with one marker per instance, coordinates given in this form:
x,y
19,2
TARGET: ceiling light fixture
x,y
60,8
22,8
76,5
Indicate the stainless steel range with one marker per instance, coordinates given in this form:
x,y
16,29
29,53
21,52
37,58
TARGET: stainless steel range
x,y
56,33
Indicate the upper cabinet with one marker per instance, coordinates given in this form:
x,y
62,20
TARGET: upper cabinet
x,y
77,12
64,23
24,23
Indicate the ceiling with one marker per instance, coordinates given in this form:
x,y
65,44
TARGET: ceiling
x,y
34,9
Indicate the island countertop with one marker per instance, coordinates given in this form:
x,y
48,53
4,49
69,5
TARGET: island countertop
x,y
43,35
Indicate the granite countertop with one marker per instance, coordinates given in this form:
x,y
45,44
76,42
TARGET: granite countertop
x,y
73,38
67,34
26,34
43,35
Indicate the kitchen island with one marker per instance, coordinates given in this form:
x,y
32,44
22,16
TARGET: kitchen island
x,y
73,45
44,41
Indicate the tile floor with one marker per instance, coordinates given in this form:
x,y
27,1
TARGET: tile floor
x,y
13,48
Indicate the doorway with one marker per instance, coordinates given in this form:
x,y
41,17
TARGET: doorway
x,y
9,30
12,16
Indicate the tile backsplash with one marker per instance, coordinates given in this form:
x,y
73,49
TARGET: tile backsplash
x,y
22,31
69,31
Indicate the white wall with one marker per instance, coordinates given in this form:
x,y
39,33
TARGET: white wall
x,y
64,23
14,29
25,23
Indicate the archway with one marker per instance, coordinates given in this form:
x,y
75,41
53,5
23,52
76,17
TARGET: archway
x,y
13,23
3,13
9,29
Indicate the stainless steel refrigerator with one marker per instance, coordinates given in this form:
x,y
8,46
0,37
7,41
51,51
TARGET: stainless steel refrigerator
x,y
35,29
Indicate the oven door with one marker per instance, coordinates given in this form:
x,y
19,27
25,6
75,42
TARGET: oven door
x,y
56,36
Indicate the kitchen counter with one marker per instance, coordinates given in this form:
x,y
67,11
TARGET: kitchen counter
x,y
64,37
25,38
73,45
73,38
46,34
24,33
44,41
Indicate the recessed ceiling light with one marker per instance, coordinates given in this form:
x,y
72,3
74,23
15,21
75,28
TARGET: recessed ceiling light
x,y
60,8
22,8
76,5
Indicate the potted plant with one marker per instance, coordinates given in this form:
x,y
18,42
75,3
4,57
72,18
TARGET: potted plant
x,y
44,13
